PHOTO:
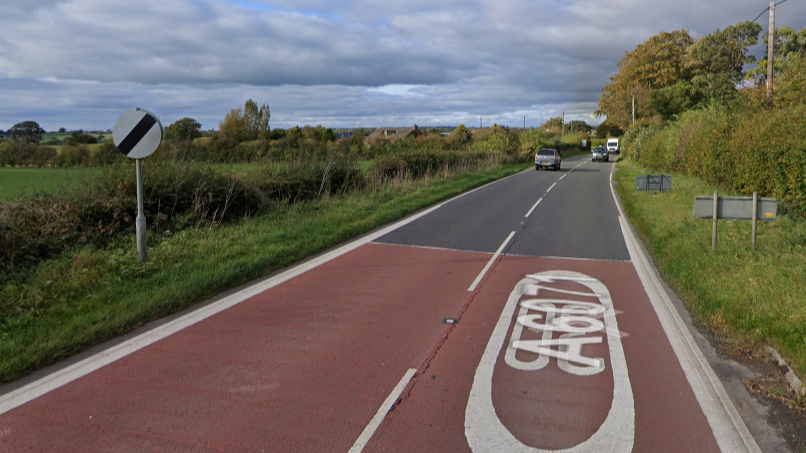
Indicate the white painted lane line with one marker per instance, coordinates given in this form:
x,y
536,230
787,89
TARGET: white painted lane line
x,y
552,186
533,207
490,263
373,425
727,426
563,176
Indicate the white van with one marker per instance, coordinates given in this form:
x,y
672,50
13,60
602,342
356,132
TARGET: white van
x,y
612,145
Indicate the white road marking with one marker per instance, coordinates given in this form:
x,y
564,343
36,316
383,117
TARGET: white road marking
x,y
726,424
563,176
533,207
490,263
484,430
373,425
552,186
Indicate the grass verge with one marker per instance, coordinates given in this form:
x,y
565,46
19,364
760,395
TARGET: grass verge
x,y
746,298
70,304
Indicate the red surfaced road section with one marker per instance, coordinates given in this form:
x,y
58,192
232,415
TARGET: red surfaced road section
x,y
546,409
302,367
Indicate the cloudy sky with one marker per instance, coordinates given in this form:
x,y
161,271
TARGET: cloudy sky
x,y
79,64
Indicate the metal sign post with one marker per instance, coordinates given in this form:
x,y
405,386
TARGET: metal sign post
x,y
142,249
735,208
137,134
715,217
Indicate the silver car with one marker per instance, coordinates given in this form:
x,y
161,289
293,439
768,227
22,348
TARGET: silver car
x,y
548,158
600,153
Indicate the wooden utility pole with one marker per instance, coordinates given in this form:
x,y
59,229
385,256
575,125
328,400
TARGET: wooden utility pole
x,y
770,52
563,127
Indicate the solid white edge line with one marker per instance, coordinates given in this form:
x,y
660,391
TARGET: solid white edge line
x,y
79,369
533,207
373,425
727,426
490,263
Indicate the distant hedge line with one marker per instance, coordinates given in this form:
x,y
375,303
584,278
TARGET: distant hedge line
x,y
300,147
762,150
28,155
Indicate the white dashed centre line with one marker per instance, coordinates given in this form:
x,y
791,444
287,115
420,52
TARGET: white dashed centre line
x,y
373,425
490,263
533,207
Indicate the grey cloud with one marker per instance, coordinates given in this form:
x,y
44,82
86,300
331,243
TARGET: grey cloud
x,y
314,62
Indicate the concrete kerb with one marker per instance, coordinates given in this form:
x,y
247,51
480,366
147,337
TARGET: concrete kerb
x,y
791,378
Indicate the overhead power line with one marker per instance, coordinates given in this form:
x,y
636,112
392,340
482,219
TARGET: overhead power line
x,y
760,14
767,9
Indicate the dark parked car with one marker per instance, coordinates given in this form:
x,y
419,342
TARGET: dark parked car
x,y
547,157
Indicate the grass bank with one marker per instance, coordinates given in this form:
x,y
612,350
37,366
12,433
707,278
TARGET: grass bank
x,y
747,298
70,304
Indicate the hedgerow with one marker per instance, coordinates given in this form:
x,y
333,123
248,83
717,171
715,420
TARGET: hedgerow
x,y
744,150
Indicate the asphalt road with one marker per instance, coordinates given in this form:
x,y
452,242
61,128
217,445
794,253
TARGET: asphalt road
x,y
576,217
518,317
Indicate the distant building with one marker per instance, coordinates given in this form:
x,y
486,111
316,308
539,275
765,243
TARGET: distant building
x,y
394,133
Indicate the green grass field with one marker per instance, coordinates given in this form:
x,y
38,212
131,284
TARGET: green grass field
x,y
15,181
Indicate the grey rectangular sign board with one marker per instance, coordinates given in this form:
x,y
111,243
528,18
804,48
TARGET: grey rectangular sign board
x,y
735,208
656,183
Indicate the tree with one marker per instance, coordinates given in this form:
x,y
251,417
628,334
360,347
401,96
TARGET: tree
x,y
184,129
249,123
328,135
27,132
550,123
657,63
607,129
295,132
790,86
717,60
673,100
460,137
257,119
577,126
76,139
789,44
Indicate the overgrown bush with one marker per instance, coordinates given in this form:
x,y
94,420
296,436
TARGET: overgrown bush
x,y
769,149
419,163
636,138
708,154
